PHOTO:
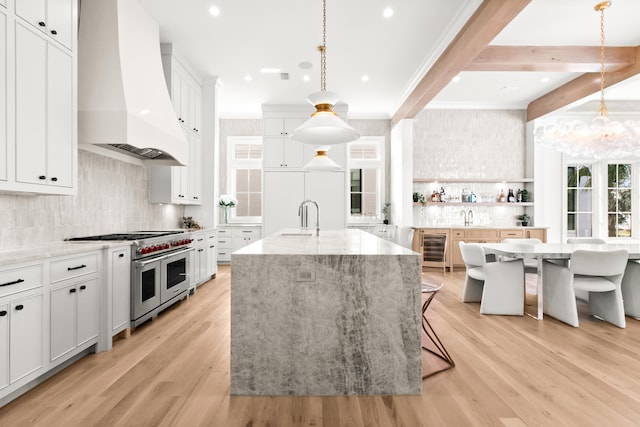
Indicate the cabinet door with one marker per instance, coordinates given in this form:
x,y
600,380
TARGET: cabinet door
x,y
293,153
273,127
194,108
184,101
60,21
328,189
63,320
121,288
31,53
60,118
3,97
283,193
212,259
292,124
201,262
25,337
33,11
273,152
176,92
179,183
536,234
87,306
4,345
195,169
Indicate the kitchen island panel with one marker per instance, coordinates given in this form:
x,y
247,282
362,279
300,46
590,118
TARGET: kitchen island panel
x,y
325,324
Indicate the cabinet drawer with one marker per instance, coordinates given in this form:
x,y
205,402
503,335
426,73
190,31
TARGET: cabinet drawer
x,y
457,233
74,267
483,234
511,234
247,232
20,279
224,254
199,239
224,232
225,242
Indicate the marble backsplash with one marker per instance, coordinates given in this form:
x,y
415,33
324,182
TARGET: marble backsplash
x,y
112,197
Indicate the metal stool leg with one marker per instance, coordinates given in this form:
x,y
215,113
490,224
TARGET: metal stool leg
x,y
440,350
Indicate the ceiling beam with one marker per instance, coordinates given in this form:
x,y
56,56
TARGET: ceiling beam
x,y
574,59
583,86
486,23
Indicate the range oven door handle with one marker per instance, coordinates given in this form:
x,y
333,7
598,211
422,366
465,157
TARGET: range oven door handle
x,y
180,252
140,264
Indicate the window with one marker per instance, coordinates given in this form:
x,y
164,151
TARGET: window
x,y
366,178
244,176
619,200
579,200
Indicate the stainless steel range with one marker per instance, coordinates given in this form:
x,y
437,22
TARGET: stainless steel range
x,y
161,263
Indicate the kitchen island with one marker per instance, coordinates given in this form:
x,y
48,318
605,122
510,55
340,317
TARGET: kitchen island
x,y
335,314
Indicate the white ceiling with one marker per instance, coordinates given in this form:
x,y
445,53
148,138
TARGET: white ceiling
x,y
394,52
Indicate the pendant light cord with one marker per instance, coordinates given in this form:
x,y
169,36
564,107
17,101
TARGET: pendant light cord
x,y
323,49
603,106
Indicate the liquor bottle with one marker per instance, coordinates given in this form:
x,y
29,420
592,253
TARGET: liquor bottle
x,y
519,196
501,197
511,198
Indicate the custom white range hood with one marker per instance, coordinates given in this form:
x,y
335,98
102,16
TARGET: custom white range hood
x,y
123,101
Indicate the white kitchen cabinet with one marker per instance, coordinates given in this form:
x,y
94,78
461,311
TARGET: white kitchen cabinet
x,y
3,97
280,151
281,126
45,118
232,238
285,191
212,255
120,282
179,184
4,345
52,17
185,90
205,256
74,317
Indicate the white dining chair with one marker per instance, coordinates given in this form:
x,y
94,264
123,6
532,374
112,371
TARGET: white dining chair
x,y
592,240
596,272
631,289
499,286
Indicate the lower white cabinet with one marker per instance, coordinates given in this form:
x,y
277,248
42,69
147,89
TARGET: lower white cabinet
x,y
74,317
231,238
21,338
120,283
204,265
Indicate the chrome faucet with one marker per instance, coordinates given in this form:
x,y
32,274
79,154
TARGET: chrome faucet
x,y
302,213
468,217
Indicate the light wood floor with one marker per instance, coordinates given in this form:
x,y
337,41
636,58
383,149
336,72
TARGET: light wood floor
x,y
510,371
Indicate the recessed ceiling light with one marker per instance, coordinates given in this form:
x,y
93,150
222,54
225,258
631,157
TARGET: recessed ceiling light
x,y
305,65
269,70
213,10
456,79
248,78
364,78
306,78
388,12
545,79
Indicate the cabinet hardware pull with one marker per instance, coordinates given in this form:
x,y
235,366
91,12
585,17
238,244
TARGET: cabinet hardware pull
x,y
83,287
121,256
72,290
54,179
19,307
42,24
200,250
3,313
76,268
211,247
195,197
42,177
54,32
12,283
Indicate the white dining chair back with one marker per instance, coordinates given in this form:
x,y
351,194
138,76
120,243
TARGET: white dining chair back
x,y
598,273
591,240
530,265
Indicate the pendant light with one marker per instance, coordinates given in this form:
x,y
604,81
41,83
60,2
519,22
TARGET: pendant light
x,y
324,127
603,138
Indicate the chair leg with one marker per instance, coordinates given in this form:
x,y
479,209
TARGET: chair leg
x,y
472,291
608,306
440,350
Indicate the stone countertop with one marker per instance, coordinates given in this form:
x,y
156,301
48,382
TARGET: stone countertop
x,y
330,242
478,227
236,224
52,249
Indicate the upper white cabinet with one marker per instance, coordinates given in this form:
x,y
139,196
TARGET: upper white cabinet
x,y
52,17
179,184
185,90
280,151
38,145
3,96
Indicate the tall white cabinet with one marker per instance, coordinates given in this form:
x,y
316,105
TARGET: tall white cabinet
x,y
181,184
286,184
38,145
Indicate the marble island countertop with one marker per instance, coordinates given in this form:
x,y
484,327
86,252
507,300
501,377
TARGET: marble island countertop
x,y
330,242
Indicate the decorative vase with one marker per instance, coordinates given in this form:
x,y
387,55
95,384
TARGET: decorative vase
x,y
225,214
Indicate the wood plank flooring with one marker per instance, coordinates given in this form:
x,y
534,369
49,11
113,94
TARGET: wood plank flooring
x,y
510,371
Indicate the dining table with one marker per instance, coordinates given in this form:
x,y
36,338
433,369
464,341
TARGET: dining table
x,y
552,251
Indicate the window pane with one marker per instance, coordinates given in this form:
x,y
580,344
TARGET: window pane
x,y
369,204
584,200
356,180
255,180
356,203
624,225
624,201
611,220
612,197
369,180
572,178
585,176
584,225
255,204
624,176
571,222
572,205
612,176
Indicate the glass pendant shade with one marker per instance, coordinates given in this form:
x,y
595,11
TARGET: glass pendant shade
x,y
321,161
324,127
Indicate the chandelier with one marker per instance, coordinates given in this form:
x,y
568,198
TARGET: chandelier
x,y
602,138
324,128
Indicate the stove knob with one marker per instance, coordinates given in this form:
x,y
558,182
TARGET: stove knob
x,y
157,248
167,246
143,250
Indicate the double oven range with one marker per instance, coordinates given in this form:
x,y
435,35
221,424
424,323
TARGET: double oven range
x,y
161,263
